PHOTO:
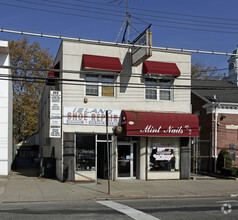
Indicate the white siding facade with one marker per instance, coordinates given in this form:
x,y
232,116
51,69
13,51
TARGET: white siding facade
x,y
6,109
127,97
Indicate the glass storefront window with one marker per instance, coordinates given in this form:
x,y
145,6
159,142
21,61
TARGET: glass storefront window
x,y
103,137
85,152
163,157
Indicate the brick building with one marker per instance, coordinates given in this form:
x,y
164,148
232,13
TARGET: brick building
x,y
215,102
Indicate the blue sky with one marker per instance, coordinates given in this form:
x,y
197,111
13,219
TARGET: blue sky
x,y
173,22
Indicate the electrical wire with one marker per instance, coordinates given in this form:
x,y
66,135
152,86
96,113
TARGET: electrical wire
x,y
162,12
149,15
74,82
156,16
116,84
68,8
115,20
57,12
114,44
136,75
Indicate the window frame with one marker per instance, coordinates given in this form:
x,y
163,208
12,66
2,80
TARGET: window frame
x,y
100,83
233,156
161,85
92,82
150,87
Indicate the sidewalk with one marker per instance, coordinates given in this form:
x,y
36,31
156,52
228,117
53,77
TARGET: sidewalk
x,y
29,187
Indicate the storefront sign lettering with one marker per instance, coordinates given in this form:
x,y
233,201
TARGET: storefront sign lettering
x,y
170,130
91,116
55,114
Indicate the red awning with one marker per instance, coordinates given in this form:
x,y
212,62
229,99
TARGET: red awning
x,y
153,67
159,124
101,63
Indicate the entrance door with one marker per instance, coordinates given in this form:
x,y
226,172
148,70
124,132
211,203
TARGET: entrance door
x,y
102,171
125,163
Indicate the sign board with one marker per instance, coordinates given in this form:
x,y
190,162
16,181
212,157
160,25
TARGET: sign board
x,y
163,152
140,54
55,114
90,116
162,158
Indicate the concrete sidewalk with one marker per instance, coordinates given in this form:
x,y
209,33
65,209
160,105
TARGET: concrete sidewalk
x,y
29,187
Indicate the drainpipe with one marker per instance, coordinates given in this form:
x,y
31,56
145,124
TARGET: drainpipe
x,y
215,137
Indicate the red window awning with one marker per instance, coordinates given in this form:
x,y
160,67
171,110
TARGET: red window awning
x,y
153,67
101,63
159,124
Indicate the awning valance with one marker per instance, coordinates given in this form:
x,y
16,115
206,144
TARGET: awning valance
x,y
154,67
93,62
159,124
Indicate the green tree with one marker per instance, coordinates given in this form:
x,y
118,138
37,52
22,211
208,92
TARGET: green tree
x,y
26,93
202,71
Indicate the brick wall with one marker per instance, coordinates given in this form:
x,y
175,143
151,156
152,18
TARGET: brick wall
x,y
205,120
227,137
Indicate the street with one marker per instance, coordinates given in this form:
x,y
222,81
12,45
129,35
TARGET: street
x,y
186,208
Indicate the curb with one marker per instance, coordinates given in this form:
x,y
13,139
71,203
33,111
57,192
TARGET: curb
x,y
126,198
165,197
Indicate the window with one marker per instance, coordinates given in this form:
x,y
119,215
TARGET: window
x,y
103,137
92,87
151,89
108,86
233,156
158,89
85,152
163,157
100,85
232,146
165,90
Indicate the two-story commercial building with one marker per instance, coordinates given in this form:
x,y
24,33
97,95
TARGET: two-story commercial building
x,y
150,125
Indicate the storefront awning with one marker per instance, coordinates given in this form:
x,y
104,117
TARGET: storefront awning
x,y
161,68
93,62
159,124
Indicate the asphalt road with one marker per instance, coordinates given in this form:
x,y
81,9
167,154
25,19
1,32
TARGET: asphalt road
x,y
191,208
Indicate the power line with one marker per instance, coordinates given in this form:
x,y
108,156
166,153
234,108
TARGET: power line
x,y
162,12
57,12
56,6
115,20
79,82
134,13
118,84
176,22
137,75
106,43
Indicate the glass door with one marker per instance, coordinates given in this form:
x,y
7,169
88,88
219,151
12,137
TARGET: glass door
x,y
125,160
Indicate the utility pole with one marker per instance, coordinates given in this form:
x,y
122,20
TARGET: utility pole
x,y
108,154
128,24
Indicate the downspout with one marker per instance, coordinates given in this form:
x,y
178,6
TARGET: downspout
x,y
215,138
146,159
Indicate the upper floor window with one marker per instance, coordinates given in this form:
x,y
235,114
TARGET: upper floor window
x,y
100,85
165,89
92,85
151,89
158,89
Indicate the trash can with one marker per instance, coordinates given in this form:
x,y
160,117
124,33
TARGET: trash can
x,y
48,167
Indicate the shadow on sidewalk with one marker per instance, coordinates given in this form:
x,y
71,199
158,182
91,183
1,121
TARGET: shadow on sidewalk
x,y
27,171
